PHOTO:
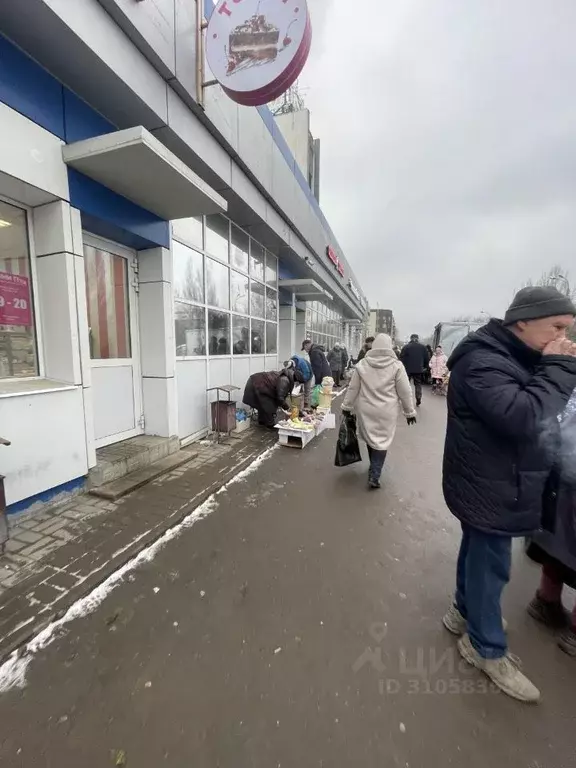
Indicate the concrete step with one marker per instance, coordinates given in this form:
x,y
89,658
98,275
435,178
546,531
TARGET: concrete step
x,y
130,482
120,459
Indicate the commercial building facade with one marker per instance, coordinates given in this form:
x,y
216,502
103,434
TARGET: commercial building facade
x,y
382,321
156,239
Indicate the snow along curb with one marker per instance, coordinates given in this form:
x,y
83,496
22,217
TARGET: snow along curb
x,y
13,670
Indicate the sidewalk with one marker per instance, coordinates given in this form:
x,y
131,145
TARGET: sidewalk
x,y
58,555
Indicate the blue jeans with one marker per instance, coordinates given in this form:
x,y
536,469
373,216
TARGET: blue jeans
x,y
377,459
483,571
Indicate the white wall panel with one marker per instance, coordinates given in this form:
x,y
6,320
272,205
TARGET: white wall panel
x,y
224,113
48,442
186,46
113,400
272,363
255,144
153,23
191,384
219,373
31,154
257,364
240,374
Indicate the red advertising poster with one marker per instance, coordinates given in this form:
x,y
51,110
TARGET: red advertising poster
x,y
15,300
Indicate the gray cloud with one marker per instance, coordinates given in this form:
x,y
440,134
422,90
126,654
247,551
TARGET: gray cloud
x,y
448,147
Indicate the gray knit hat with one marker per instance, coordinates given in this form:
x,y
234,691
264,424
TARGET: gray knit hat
x,y
538,301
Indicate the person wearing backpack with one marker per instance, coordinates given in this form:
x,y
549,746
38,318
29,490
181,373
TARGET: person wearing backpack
x,y
301,364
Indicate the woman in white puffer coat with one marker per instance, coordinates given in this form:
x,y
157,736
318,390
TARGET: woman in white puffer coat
x,y
378,386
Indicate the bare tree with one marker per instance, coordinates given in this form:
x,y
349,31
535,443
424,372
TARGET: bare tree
x,y
558,277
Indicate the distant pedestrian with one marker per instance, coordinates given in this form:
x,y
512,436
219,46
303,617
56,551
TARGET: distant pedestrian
x,y
415,358
509,381
379,385
366,348
318,360
438,369
338,359
554,546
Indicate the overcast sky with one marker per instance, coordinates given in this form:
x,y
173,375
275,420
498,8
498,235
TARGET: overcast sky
x,y
448,134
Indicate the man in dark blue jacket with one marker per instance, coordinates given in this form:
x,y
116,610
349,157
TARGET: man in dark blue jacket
x,y
509,381
415,358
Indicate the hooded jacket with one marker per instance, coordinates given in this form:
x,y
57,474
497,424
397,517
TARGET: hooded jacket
x,y
379,384
438,365
338,358
503,397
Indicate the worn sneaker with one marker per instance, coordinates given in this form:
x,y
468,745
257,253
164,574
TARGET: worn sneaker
x,y
504,672
567,641
552,614
373,485
456,623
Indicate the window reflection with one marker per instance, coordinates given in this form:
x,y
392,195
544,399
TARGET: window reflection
x,y
256,260
271,338
217,236
271,269
271,304
239,285
256,299
190,329
239,248
240,335
258,331
188,267
217,294
218,333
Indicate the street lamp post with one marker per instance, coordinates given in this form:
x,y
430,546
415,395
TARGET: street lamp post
x,y
554,281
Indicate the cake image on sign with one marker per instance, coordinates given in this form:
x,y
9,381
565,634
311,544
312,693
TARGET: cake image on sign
x,y
252,43
257,48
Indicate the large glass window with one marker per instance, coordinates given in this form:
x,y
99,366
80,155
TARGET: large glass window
x,y
239,248
188,273
218,333
190,325
217,237
240,335
324,325
240,300
219,309
108,304
18,356
217,291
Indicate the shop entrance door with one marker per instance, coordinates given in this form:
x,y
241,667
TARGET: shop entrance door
x,y
111,294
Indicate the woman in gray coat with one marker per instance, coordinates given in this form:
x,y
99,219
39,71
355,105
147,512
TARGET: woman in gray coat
x,y
554,546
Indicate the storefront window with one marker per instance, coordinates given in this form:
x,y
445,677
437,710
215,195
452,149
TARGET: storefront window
x,y
240,335
271,338
239,285
218,333
257,260
239,249
217,236
258,331
18,356
190,326
108,306
217,291
256,299
188,273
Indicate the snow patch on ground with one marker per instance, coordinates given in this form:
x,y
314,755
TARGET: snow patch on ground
x,y
13,671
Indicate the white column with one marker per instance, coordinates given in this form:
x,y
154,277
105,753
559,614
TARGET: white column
x,y
287,341
157,350
300,326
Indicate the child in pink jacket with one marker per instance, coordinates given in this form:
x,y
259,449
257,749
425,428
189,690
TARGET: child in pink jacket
x,y
438,368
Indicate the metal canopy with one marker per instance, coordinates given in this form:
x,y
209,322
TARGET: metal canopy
x,y
137,166
305,289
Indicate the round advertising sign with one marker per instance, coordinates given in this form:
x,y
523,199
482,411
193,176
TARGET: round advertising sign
x,y
256,49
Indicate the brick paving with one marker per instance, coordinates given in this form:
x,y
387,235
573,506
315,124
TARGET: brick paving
x,y
57,555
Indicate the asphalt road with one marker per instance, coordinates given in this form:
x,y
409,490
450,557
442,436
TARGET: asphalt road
x,y
296,625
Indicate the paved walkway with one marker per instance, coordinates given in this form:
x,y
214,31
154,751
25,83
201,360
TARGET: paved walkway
x,y
297,624
57,555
